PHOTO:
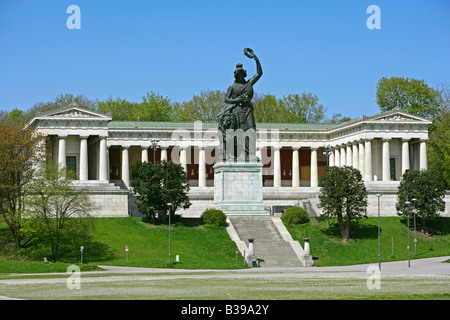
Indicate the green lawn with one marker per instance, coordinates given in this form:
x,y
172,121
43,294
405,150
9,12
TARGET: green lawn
x,y
198,246
327,248
209,247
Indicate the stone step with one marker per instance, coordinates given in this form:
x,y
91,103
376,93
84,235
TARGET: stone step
x,y
269,245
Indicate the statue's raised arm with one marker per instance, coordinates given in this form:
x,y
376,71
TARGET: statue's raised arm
x,y
249,53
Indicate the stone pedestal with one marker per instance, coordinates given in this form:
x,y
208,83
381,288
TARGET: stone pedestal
x,y
238,188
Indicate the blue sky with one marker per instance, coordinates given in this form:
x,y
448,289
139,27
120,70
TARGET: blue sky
x,y
179,48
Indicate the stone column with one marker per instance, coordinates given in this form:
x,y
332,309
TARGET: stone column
x,y
144,154
368,160
337,156
84,158
385,161
276,167
295,168
125,166
423,155
163,154
343,156
103,161
201,168
183,158
361,159
355,153
405,155
331,158
349,160
62,151
314,171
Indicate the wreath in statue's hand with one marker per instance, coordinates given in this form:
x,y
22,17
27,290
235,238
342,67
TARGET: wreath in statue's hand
x,y
249,53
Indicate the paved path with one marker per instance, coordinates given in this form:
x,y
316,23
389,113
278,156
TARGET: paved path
x,y
428,266
422,271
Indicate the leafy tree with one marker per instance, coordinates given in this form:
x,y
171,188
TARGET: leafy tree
x,y
21,151
439,145
120,109
343,195
428,188
269,109
304,108
153,107
55,208
61,101
158,184
411,95
203,107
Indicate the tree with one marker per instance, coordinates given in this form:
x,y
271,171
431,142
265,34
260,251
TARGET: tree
x,y
58,211
343,195
411,95
153,107
21,151
203,107
158,184
304,108
428,188
439,145
268,108
61,101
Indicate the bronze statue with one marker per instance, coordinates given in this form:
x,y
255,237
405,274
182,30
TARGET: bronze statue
x,y
237,122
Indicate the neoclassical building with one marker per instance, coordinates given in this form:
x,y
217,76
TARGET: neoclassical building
x,y
294,156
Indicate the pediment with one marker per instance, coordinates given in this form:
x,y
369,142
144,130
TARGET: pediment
x,y
398,115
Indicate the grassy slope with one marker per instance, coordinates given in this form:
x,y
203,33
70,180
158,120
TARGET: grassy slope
x,y
210,247
328,249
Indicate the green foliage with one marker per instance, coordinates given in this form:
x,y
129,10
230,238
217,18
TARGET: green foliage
x,y
411,95
214,217
203,107
439,145
153,107
428,188
343,195
295,215
58,214
158,184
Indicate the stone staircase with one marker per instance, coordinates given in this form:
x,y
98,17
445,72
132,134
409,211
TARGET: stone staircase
x,y
269,244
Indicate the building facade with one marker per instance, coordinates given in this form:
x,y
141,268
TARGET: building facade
x,y
294,156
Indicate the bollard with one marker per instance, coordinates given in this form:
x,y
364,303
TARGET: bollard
x,y
251,253
307,249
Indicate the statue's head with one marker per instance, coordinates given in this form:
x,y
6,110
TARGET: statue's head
x,y
239,72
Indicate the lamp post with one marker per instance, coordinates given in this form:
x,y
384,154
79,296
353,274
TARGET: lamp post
x,y
407,212
379,243
170,211
415,238
327,153
154,146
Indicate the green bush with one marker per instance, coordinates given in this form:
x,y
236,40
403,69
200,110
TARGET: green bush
x,y
215,217
295,215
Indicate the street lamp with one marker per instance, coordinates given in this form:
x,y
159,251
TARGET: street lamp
x,y
327,153
407,212
170,209
154,146
379,244
415,238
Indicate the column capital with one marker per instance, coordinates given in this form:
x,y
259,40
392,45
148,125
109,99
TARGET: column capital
x,y
62,136
84,137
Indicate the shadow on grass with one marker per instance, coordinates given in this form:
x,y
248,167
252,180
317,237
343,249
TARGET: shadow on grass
x,y
438,226
358,230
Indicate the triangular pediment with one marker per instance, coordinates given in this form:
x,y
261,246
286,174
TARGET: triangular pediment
x,y
397,115
72,112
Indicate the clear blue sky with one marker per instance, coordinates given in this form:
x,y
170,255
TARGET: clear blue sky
x,y
179,48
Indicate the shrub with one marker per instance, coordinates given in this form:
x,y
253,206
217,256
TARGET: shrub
x,y
295,215
215,217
